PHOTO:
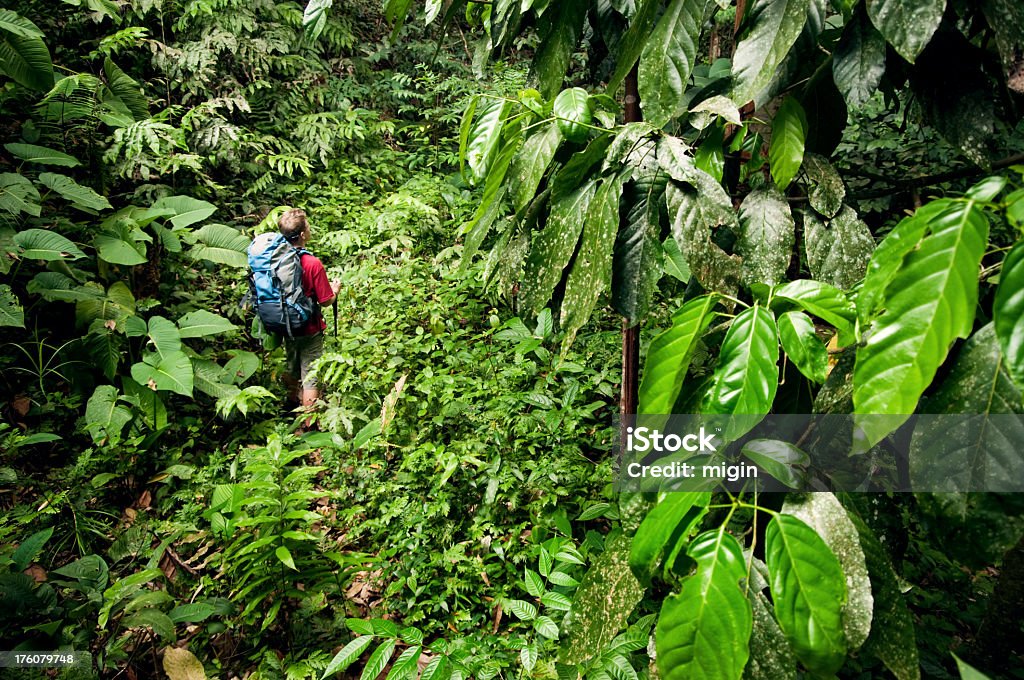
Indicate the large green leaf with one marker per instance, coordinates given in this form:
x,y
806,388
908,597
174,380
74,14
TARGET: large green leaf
x,y
703,630
104,417
149,403
693,213
116,304
18,195
892,637
120,248
41,155
889,254
668,57
668,357
164,335
221,244
858,62
378,661
786,151
634,40
592,269
105,348
772,28
81,197
23,54
172,371
532,161
980,452
185,209
908,25
809,592
771,656
637,262
823,512
803,346
606,597
766,237
43,244
559,33
660,525
838,252
126,89
348,655
929,303
1008,312
11,313
1006,19
571,109
819,299
314,18
553,247
484,136
747,375
201,323
826,191
777,458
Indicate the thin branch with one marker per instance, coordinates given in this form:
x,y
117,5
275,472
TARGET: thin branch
x,y
932,180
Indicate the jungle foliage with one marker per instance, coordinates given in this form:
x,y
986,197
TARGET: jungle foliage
x,y
821,212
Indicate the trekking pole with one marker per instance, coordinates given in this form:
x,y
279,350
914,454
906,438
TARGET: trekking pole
x,y
334,306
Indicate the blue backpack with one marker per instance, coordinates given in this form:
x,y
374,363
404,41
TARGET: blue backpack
x,y
275,281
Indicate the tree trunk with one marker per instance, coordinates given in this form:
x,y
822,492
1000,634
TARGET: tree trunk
x,y
630,390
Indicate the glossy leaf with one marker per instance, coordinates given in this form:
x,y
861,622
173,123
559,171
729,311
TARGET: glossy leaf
x,y
572,111
659,526
766,237
819,299
747,375
18,195
314,18
668,357
126,89
929,304
703,630
201,323
823,512
347,656
221,244
607,595
120,249
777,458
786,151
858,62
803,346
378,661
171,371
809,592
531,162
405,665
668,57
774,25
838,251
105,418
908,25
592,269
484,136
554,246
693,213
1008,312
978,452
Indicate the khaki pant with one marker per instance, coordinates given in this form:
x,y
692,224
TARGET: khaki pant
x,y
300,353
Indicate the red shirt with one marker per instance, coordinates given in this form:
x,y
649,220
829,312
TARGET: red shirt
x,y
316,286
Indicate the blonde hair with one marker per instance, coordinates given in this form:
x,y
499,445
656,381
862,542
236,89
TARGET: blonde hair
x,y
292,223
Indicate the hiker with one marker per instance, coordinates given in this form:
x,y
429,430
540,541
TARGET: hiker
x,y
307,343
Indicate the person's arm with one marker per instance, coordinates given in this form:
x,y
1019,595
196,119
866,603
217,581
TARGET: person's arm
x,y
323,289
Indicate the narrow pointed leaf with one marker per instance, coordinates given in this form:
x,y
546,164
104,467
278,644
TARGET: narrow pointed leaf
x,y
378,661
929,304
560,32
858,62
531,162
773,27
668,357
660,525
747,375
786,151
80,197
637,263
634,40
